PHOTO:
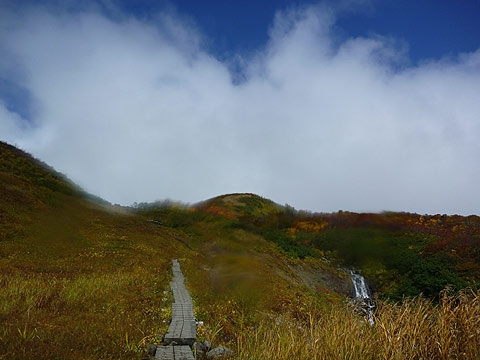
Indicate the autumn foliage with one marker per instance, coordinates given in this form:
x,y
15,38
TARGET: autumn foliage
x,y
219,211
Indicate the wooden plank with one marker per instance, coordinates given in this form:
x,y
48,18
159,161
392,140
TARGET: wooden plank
x,y
189,330
177,352
174,330
183,327
180,340
165,353
183,353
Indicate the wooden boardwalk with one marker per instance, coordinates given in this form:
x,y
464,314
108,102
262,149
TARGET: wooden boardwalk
x,y
183,328
178,352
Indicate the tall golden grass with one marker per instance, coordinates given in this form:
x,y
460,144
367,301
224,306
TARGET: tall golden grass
x,y
94,316
413,329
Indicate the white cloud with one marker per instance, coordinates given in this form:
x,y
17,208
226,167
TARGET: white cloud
x,y
136,111
10,125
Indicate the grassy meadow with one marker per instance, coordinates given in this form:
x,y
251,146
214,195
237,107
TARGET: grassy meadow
x,y
95,293
80,278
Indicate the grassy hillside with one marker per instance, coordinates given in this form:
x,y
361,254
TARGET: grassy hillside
x,y
240,205
401,254
80,278
76,280
84,279
251,261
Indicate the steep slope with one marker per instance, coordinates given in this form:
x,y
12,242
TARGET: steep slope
x,y
76,279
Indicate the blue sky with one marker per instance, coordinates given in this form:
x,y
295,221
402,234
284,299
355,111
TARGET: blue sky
x,y
432,29
353,105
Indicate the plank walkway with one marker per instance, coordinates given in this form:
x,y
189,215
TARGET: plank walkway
x,y
183,328
170,352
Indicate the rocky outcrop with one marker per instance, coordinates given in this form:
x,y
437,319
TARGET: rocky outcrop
x,y
219,352
324,278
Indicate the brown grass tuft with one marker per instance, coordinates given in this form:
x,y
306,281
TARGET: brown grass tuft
x,y
413,329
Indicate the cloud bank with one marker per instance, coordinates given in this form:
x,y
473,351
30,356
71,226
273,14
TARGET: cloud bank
x,y
140,110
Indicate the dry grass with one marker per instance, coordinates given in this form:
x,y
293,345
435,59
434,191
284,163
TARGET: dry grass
x,y
414,329
90,286
88,316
